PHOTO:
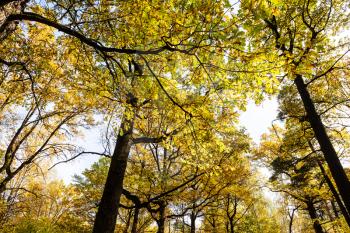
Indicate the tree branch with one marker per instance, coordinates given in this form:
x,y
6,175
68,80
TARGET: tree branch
x,y
30,16
166,93
77,155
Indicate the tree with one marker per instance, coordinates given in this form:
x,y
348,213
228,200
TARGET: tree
x,y
36,115
42,206
296,172
124,52
169,79
299,37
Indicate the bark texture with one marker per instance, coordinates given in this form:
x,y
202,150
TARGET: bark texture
x,y
330,155
106,216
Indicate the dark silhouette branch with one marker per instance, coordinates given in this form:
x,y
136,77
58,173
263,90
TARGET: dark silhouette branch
x,y
137,202
79,154
30,16
165,91
331,68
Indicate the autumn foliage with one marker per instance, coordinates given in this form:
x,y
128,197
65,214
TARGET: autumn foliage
x,y
164,84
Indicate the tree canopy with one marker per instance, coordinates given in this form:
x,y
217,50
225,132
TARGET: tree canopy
x,y
165,82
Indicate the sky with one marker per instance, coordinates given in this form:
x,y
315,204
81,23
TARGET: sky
x,y
256,120
90,141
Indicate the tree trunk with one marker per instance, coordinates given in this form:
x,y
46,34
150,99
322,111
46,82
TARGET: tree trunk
x,y
161,220
127,224
108,208
290,226
135,220
331,157
291,216
335,194
312,212
232,226
214,225
161,226
193,222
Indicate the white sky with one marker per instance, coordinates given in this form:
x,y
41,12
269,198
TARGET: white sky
x,y
256,119
90,142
